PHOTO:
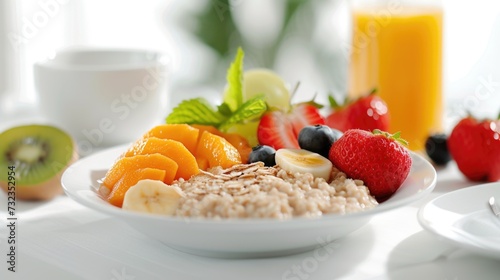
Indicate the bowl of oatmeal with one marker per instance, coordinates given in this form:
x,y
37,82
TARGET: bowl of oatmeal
x,y
253,191
251,210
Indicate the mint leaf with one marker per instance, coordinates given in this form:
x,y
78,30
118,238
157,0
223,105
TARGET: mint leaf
x,y
251,109
195,111
224,110
198,111
230,112
234,98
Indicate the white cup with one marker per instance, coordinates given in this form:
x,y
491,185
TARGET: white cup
x,y
103,97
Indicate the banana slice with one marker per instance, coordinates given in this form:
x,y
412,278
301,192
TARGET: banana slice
x,y
304,161
152,196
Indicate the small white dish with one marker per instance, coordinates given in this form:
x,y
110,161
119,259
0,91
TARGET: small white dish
x,y
237,238
463,217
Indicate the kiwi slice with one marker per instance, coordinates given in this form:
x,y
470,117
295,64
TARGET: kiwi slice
x,y
39,154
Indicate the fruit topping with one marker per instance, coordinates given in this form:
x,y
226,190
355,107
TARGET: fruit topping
x,y
475,147
248,130
238,141
167,160
241,144
257,82
131,178
279,129
34,157
153,197
378,159
368,113
263,153
276,130
436,147
217,150
183,133
170,148
318,138
130,164
303,161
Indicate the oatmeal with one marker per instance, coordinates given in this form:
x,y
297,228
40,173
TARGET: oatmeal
x,y
256,191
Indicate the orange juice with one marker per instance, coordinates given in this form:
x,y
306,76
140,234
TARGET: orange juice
x,y
400,55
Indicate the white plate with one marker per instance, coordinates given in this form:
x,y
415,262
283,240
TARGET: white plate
x,y
463,217
237,238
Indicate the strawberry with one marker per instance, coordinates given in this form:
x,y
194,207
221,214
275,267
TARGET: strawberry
x,y
368,113
276,130
475,147
305,114
280,129
377,158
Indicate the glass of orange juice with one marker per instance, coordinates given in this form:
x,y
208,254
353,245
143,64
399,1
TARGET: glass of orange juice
x,y
397,49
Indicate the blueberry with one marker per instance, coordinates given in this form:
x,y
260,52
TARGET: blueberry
x,y
318,138
263,153
437,149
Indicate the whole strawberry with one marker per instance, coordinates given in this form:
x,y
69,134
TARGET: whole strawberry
x,y
377,158
367,113
280,129
475,147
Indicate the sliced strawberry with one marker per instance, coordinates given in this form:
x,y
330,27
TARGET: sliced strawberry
x,y
276,130
280,130
304,114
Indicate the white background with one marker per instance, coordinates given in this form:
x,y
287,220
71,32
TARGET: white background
x,y
471,43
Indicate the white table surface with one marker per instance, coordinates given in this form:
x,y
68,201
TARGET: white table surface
x,y
61,239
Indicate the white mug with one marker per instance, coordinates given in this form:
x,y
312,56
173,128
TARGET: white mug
x,y
103,97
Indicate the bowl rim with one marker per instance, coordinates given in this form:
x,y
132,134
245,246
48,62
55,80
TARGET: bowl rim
x,y
157,59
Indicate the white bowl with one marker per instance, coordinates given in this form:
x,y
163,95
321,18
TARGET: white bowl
x,y
103,97
237,237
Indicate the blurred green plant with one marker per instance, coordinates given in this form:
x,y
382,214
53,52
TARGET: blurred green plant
x,y
216,25
216,28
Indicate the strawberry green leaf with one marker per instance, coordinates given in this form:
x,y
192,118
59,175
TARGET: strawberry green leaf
x,y
347,101
195,111
396,136
498,118
313,102
380,132
333,102
234,98
251,109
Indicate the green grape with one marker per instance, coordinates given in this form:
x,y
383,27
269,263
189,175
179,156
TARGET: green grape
x,y
264,81
247,130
